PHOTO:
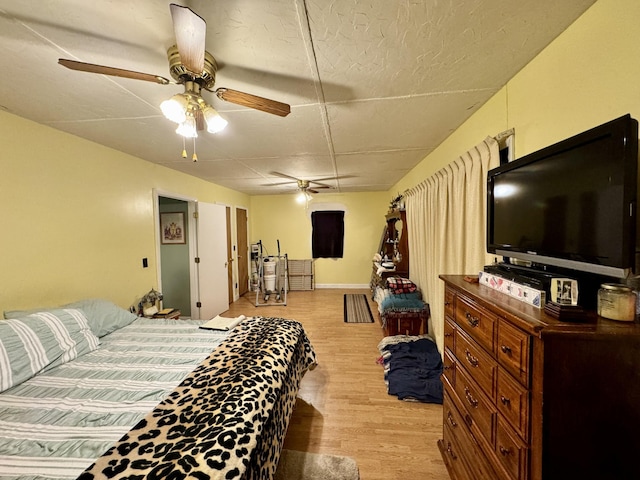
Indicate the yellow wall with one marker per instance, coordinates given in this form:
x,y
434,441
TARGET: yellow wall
x,y
589,75
77,218
280,217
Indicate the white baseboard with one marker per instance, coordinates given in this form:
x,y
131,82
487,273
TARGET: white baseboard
x,y
342,285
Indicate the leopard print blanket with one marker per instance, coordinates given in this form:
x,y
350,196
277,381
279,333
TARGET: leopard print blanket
x,y
227,419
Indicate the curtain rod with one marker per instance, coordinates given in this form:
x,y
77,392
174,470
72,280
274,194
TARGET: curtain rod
x,y
502,135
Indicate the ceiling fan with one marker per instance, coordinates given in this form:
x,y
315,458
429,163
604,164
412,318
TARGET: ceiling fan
x,y
193,67
311,186
305,187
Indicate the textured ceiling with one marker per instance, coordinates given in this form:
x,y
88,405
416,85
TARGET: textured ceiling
x,y
374,86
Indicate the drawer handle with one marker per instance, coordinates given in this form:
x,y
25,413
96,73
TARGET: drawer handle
x,y
448,335
468,419
473,361
451,420
473,321
505,400
506,349
472,401
505,451
450,451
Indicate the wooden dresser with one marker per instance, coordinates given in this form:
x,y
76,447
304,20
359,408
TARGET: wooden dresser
x,y
529,397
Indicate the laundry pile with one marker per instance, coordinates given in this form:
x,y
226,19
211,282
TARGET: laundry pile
x,y
412,367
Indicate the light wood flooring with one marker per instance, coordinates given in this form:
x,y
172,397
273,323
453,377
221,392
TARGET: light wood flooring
x,y
343,407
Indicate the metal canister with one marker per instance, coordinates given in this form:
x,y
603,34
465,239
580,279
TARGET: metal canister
x,y
617,302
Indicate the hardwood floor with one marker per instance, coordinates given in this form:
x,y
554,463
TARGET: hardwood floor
x,y
343,406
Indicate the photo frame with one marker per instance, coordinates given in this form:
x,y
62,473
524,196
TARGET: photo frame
x,y
172,229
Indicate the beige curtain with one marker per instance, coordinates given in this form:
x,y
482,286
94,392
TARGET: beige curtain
x,y
446,217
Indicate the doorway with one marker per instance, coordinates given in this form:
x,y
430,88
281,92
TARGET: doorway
x,y
174,262
243,250
192,272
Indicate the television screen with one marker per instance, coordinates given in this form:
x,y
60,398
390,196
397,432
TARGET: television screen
x,y
571,204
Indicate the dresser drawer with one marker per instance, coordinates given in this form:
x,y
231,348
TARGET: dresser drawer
x,y
449,337
449,297
481,367
478,412
511,451
457,431
513,352
449,368
476,321
452,456
513,402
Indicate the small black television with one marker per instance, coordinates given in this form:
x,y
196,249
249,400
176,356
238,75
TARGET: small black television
x,y
570,205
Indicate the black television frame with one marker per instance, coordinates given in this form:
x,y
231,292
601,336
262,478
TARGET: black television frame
x,y
625,134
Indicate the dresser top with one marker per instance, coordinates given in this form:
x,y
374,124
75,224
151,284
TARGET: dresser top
x,y
532,319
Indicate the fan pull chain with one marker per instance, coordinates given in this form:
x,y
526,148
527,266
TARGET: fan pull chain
x,y
184,149
195,157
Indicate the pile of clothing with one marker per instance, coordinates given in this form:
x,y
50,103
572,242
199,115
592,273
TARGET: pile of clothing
x,y
412,367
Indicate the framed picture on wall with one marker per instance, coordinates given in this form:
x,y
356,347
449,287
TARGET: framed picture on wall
x,y
172,228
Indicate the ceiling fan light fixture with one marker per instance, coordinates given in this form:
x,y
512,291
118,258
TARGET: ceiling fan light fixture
x,y
303,197
193,67
215,123
175,109
188,128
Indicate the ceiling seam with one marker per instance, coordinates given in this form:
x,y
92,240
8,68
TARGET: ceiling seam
x,y
66,52
305,30
413,95
401,97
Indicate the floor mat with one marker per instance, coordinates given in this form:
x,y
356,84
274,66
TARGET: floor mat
x,y
356,308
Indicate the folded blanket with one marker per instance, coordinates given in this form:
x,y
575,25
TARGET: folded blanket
x,y
401,285
402,302
222,323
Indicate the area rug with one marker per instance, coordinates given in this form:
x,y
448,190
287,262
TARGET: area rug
x,y
315,466
356,308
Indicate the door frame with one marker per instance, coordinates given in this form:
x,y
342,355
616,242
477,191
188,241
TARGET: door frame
x,y
233,252
233,232
193,248
246,255
191,209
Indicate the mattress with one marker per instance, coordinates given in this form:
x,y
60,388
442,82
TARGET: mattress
x,y
56,424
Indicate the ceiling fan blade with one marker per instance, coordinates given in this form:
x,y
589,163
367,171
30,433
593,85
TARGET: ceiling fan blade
x,y
117,72
339,177
311,191
320,185
253,101
284,175
190,30
280,184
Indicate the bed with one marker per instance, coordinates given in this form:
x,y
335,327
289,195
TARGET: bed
x,y
96,392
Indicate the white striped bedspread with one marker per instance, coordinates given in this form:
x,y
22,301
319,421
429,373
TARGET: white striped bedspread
x,y
56,424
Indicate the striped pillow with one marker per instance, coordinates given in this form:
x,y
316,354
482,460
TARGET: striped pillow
x,y
43,340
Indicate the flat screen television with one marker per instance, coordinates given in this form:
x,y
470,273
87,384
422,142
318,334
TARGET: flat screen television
x,y
570,205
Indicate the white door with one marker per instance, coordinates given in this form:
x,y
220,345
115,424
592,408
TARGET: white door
x,y
212,291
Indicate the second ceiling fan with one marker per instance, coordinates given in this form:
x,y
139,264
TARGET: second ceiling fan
x,y
311,186
193,67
